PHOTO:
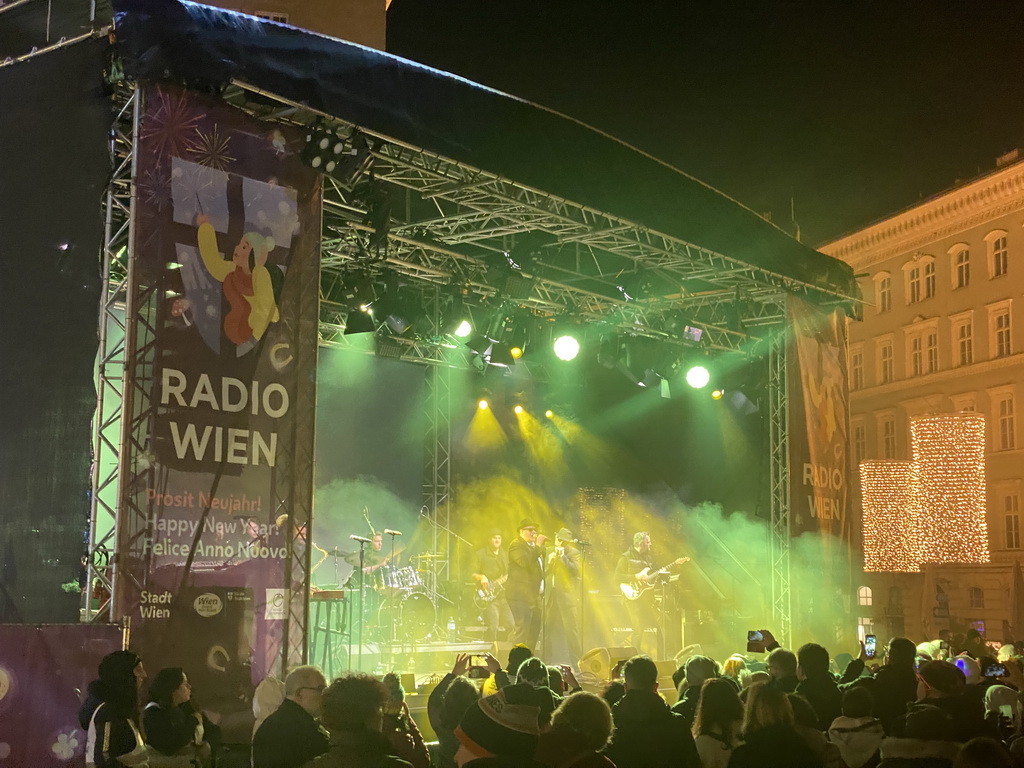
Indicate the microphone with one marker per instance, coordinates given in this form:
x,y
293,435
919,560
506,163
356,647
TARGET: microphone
x,y
389,532
360,539
581,542
424,511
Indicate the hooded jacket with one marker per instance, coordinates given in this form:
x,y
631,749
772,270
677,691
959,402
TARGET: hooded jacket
x,y
857,738
649,735
917,753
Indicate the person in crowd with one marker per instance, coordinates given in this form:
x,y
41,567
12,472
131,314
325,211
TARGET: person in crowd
x,y
266,699
697,669
806,725
759,677
517,654
447,704
817,684
352,711
534,672
501,730
782,667
562,588
110,713
525,584
1006,651
974,644
580,728
1002,706
491,573
941,684
856,733
895,684
983,752
556,680
719,718
921,739
647,733
173,727
735,669
770,739
291,735
398,726
613,692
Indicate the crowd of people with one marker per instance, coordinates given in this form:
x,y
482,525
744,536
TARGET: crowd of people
x,y
946,704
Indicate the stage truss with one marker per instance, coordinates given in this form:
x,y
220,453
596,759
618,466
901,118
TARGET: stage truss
x,y
450,227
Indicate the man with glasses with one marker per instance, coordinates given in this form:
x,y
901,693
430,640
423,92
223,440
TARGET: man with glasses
x,y
291,736
525,585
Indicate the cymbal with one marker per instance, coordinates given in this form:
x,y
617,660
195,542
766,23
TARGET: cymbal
x,y
427,556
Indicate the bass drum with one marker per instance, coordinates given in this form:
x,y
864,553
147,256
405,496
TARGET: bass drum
x,y
412,614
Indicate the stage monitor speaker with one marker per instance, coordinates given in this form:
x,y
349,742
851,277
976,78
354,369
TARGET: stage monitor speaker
x,y
601,662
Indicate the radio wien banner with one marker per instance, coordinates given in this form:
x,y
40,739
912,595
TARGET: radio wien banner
x,y
222,367
819,478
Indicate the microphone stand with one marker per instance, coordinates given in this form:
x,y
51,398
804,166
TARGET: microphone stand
x,y
362,601
583,591
396,616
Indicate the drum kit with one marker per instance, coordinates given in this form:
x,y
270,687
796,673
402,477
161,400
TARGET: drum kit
x,y
406,611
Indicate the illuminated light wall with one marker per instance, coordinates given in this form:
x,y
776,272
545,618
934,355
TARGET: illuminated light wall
x,y
892,537
949,455
930,509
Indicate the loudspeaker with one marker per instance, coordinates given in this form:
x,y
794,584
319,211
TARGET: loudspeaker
x,y
601,662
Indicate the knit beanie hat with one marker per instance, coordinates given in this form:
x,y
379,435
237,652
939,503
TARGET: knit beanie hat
x,y
505,724
943,677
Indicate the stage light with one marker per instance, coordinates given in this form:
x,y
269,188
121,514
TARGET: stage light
x,y
483,405
717,394
549,413
359,321
698,377
463,329
566,348
518,409
501,354
516,352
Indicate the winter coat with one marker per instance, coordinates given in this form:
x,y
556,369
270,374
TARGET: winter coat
x,y
687,704
857,738
777,746
894,689
563,749
358,749
290,737
649,735
917,753
825,698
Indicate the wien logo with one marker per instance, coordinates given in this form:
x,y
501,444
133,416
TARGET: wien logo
x,y
208,604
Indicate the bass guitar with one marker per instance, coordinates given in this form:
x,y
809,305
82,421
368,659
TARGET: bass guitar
x,y
486,595
647,579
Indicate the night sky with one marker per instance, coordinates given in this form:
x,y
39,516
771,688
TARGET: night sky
x,y
853,109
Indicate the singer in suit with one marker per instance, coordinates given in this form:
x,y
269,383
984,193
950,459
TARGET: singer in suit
x,y
563,596
525,586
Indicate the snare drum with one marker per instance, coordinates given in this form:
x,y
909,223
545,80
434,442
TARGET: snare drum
x,y
407,577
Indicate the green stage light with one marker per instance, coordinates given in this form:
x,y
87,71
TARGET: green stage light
x,y
483,405
566,348
698,377
463,329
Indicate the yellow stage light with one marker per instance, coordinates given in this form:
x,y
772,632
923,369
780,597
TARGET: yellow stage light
x,y
516,352
483,405
717,394
518,409
549,413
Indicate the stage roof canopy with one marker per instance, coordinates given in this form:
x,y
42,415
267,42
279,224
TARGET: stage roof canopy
x,y
482,172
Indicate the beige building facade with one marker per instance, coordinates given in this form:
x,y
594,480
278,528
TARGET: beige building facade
x,y
943,332
359,21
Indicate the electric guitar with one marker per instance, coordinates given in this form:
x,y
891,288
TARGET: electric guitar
x,y
647,579
485,596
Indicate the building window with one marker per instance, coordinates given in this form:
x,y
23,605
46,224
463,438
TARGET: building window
x,y
865,627
929,278
913,284
273,16
1005,424
859,443
932,351
976,597
887,433
963,337
883,292
857,368
999,329
884,362
916,356
964,403
1011,509
997,253
962,267
864,596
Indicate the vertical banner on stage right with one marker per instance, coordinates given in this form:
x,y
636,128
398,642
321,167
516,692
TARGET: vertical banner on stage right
x,y
819,476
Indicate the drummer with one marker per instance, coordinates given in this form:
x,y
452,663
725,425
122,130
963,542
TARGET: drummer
x,y
373,558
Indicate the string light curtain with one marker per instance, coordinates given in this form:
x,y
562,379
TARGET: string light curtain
x,y
892,535
949,455
930,509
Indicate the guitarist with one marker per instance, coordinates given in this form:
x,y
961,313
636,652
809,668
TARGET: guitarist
x,y
641,611
490,573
